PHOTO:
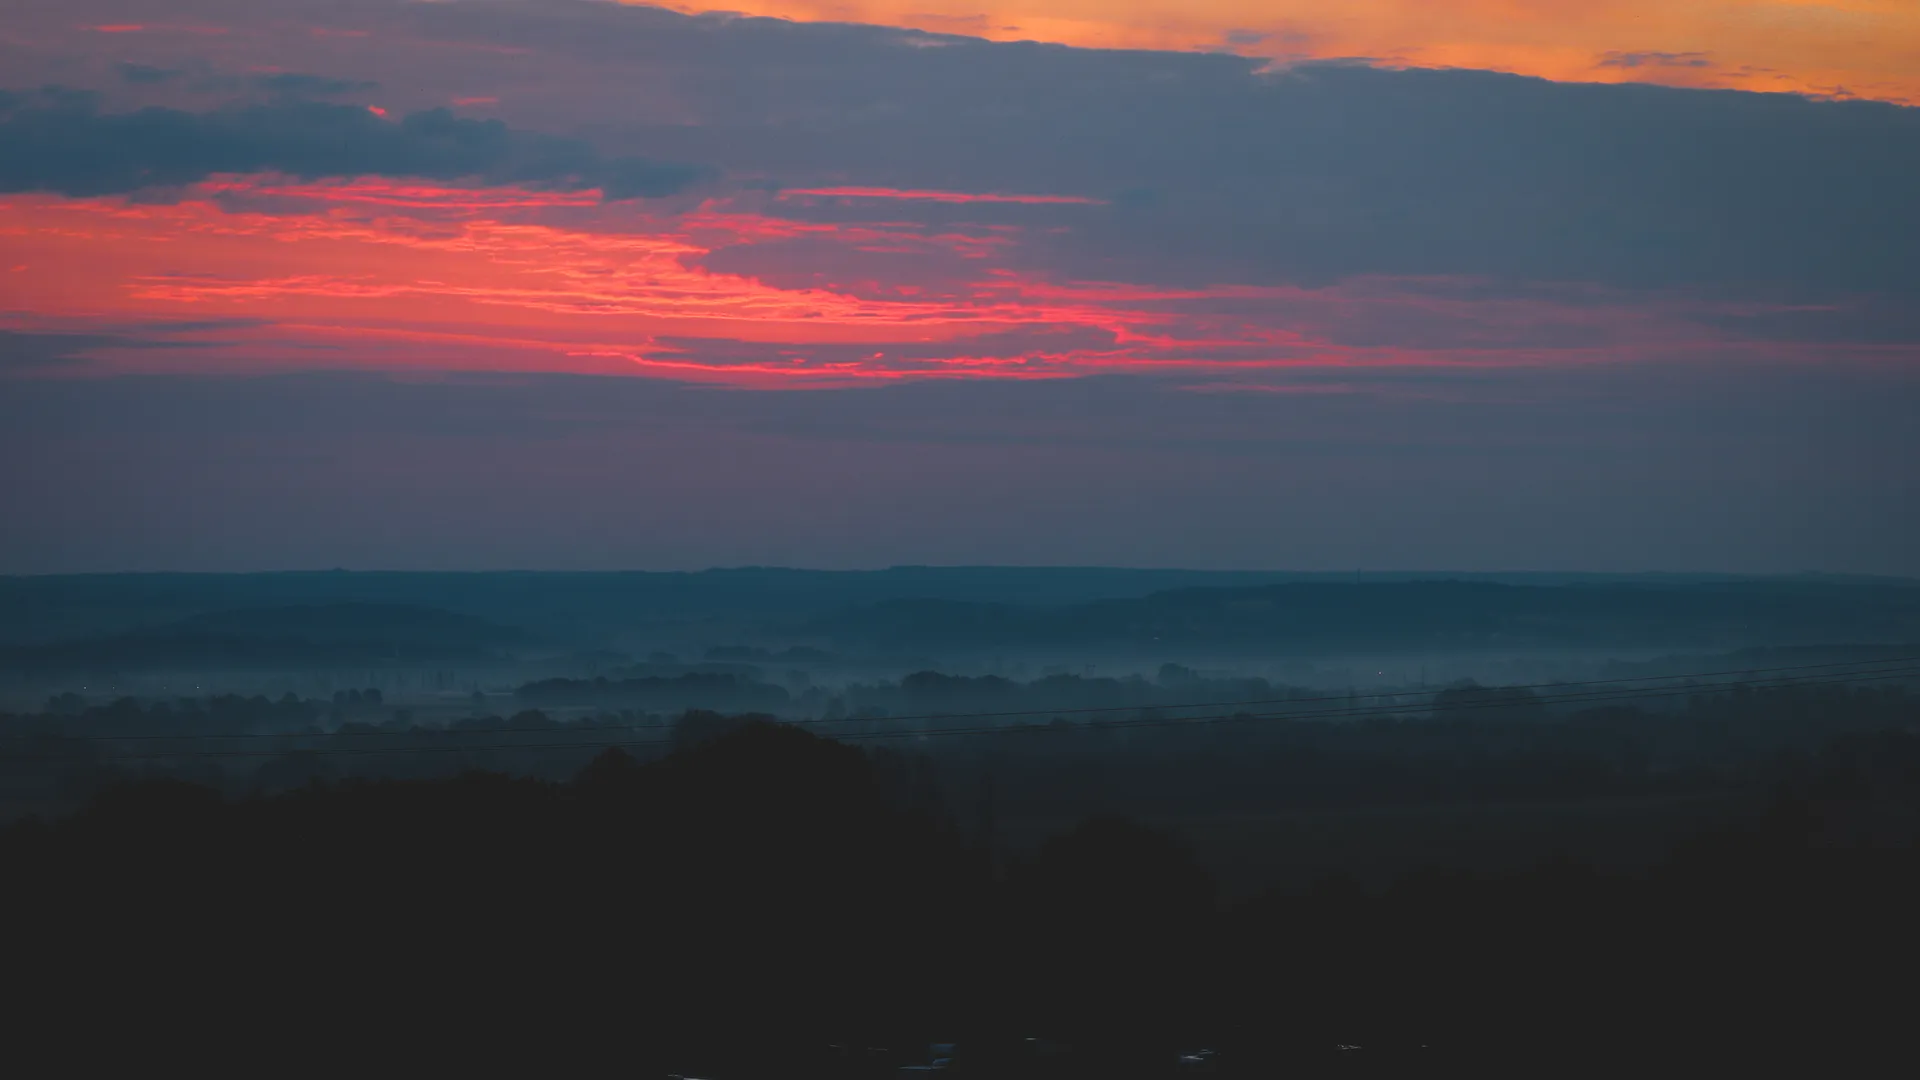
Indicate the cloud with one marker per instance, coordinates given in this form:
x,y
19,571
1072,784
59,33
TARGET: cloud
x,y
147,74
298,84
957,24
1620,468
21,350
1309,174
1860,320
34,351
1305,175
56,141
1203,207
939,196
1329,171
1632,60
1031,350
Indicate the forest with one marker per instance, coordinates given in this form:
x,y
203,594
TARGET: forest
x,y
765,902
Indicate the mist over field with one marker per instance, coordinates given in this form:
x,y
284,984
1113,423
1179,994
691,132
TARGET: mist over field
x,y
1189,699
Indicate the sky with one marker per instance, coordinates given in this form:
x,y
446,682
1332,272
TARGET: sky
x,y
1491,284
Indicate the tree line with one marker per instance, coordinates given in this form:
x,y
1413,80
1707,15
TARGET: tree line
x,y
761,900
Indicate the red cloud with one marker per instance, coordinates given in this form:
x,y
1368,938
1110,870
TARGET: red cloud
x,y
416,274
938,196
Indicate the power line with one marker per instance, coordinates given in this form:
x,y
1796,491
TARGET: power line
x,y
1078,711
1624,694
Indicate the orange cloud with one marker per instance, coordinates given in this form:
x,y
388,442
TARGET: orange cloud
x,y
1865,48
142,28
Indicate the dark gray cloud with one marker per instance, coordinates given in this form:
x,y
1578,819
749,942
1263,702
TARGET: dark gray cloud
x,y
1307,174
1631,60
24,351
956,24
34,352
1617,468
59,142
202,78
1218,171
1330,171
1013,346
1851,320
300,84
147,74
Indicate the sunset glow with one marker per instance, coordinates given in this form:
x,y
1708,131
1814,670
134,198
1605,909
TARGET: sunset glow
x,y
269,272
794,271
1865,48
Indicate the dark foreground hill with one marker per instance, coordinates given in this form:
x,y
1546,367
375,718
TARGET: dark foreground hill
x,y
763,905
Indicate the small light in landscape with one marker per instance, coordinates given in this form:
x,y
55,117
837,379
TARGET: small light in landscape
x,y
376,110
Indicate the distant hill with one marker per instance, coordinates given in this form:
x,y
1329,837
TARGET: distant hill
x,y
1885,657
755,606
324,623
1428,615
319,635
579,607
